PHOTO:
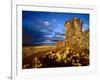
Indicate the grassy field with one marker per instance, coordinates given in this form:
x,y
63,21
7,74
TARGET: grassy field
x,y
35,50
53,56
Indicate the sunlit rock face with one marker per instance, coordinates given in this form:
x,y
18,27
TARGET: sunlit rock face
x,y
75,38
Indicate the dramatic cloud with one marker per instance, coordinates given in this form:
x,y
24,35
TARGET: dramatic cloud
x,y
46,23
46,27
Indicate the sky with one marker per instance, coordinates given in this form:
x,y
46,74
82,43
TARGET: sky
x,y
40,28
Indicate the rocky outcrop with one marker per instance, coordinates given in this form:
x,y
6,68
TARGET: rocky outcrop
x,y
75,38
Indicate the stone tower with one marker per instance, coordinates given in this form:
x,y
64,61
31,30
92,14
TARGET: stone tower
x,y
77,23
75,38
73,26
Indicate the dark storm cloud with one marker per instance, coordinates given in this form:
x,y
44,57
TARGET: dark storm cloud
x,y
32,35
36,34
43,26
46,27
59,33
40,35
56,39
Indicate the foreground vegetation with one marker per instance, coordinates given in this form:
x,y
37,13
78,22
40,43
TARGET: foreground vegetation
x,y
52,56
